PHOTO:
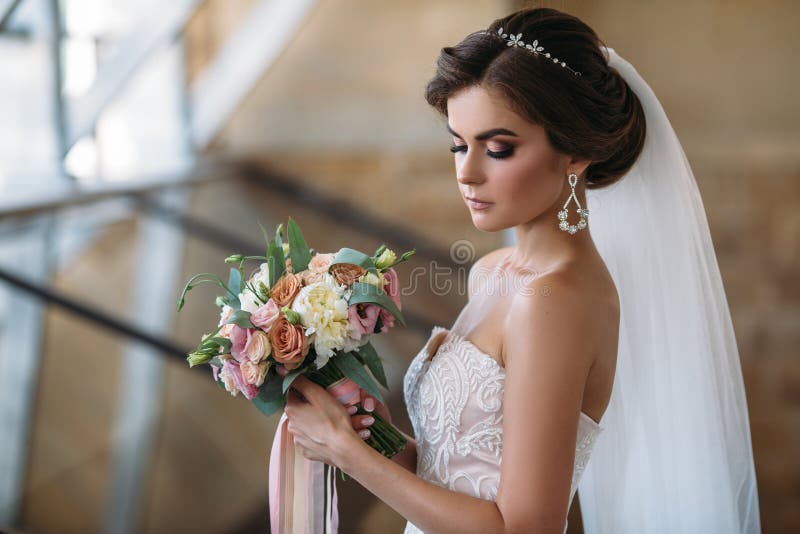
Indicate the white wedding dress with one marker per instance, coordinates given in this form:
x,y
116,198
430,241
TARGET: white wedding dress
x,y
454,396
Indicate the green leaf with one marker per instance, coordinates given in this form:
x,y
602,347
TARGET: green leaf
x,y
356,257
223,342
288,379
276,262
241,318
265,234
278,238
298,248
352,369
234,284
373,361
367,293
270,398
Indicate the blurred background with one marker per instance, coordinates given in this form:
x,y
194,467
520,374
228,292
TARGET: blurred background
x,y
141,142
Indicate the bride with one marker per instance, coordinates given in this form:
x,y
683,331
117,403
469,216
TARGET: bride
x,y
593,356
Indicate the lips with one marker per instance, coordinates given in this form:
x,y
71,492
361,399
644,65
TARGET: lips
x,y
475,203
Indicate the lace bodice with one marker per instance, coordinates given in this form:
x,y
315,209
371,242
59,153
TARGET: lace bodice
x,y
455,403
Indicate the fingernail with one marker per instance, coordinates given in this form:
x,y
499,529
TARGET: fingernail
x,y
369,404
368,420
364,433
351,410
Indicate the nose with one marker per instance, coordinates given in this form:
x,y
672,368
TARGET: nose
x,y
468,168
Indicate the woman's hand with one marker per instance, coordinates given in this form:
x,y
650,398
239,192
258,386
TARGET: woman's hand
x,y
361,423
319,424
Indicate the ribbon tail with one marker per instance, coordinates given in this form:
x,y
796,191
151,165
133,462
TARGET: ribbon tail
x,y
281,477
297,489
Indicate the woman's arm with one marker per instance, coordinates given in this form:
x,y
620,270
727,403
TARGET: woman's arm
x,y
407,458
433,509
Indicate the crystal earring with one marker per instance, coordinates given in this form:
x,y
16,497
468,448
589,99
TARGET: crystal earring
x,y
562,215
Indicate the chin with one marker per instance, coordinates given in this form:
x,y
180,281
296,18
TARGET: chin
x,y
487,224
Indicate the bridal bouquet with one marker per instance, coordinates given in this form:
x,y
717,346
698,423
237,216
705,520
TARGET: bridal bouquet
x,y
303,312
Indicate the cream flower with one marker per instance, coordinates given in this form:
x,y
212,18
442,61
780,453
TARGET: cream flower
x,y
323,312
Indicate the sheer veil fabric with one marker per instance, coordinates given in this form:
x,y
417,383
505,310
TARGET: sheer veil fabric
x,y
676,456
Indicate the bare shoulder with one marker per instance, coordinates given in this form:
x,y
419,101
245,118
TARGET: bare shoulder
x,y
483,266
561,303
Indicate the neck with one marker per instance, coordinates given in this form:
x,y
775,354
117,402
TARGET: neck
x,y
541,245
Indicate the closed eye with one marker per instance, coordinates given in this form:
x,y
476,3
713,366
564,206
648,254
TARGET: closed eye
x,y
492,154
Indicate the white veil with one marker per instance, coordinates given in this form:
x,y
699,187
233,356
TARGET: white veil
x,y
676,455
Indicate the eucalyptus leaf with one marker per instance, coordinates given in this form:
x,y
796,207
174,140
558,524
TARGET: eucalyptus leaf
x,y
270,398
240,318
352,369
298,248
288,379
367,293
356,257
234,285
373,361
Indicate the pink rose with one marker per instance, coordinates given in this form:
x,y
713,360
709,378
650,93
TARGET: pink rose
x,y
257,346
239,338
392,287
265,315
232,376
362,322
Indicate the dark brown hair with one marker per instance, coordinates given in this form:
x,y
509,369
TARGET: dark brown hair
x,y
595,115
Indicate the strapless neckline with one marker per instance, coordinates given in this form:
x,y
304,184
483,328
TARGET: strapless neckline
x,y
454,337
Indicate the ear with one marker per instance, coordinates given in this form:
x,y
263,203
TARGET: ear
x,y
578,166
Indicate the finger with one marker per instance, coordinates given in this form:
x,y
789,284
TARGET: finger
x,y
362,421
369,403
308,389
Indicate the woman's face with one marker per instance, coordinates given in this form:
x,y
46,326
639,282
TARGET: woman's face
x,y
503,160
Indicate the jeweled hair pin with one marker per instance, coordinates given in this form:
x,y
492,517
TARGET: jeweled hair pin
x,y
516,40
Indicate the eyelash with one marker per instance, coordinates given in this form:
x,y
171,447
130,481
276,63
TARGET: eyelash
x,y
496,155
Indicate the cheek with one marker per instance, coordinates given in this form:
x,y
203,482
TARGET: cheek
x,y
524,182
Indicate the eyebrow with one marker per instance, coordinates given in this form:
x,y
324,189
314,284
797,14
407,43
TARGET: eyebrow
x,y
487,134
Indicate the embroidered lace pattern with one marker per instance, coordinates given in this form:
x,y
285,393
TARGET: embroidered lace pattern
x,y
455,403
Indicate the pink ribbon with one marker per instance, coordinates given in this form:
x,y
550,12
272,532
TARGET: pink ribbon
x,y
299,492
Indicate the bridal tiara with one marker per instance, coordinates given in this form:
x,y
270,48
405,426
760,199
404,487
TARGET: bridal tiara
x,y
516,40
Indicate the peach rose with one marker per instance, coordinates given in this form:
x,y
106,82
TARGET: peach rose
x,y
309,277
254,373
346,274
289,343
320,263
285,289
257,346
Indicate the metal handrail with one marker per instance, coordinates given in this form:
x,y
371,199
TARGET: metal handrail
x,y
68,194
94,315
